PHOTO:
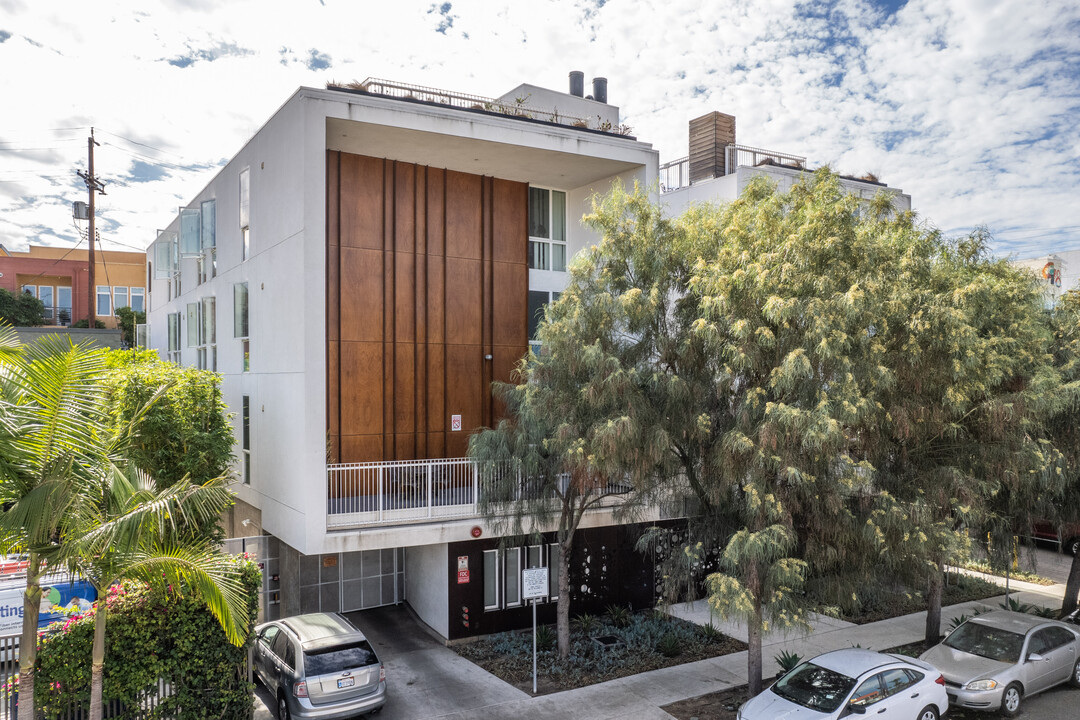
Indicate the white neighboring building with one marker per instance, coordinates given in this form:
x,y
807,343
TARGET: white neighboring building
x,y
1059,272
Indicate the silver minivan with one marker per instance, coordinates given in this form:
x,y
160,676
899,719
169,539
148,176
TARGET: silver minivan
x,y
319,665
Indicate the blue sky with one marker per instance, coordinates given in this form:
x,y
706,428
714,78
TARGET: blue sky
x,y
968,105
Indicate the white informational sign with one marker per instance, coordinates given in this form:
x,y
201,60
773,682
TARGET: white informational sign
x,y
455,423
534,583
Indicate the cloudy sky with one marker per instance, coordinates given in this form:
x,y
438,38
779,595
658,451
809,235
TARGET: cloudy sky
x,y
971,106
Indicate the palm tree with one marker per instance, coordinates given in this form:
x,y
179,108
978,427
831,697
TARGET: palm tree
x,y
55,433
128,529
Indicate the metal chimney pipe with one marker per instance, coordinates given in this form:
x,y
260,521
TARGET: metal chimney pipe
x,y
599,89
577,83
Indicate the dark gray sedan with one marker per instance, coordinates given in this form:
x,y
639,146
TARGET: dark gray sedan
x,y
992,661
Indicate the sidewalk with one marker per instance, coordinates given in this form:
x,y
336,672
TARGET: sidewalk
x,y
642,696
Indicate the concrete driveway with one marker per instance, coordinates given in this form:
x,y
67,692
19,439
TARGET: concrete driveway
x,y
424,678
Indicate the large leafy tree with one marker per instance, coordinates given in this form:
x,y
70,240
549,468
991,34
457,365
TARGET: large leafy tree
x,y
184,433
577,431
1064,425
959,441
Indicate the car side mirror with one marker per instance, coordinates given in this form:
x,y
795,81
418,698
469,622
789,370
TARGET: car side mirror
x,y
856,709
1035,657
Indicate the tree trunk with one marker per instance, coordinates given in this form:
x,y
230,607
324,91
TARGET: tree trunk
x,y
753,635
97,663
1072,587
933,606
562,605
29,639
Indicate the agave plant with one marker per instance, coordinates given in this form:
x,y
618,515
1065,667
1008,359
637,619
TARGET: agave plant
x,y
787,661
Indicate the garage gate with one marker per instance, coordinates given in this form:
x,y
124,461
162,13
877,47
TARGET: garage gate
x,y
342,582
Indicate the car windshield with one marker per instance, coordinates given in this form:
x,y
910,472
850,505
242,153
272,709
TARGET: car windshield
x,y
814,687
987,642
338,658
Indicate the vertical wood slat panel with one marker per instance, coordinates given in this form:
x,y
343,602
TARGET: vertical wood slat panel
x,y
424,303
389,359
333,304
420,309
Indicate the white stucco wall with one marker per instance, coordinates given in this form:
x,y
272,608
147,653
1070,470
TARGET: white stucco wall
x,y
427,585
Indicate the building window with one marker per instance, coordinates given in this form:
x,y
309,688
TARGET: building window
x,y
240,322
245,212
63,306
512,576
104,301
245,439
45,295
209,238
138,299
547,229
209,333
120,297
174,338
538,301
502,573
30,290
491,580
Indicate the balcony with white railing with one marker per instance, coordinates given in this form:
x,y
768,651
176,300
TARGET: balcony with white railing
x,y
416,491
675,175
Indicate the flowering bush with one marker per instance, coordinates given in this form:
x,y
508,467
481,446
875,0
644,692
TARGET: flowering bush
x,y
152,634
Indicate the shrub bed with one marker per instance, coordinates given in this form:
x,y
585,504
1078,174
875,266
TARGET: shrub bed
x,y
642,641
151,635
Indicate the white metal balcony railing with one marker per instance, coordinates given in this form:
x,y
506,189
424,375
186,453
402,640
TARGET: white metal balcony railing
x,y
676,174
407,491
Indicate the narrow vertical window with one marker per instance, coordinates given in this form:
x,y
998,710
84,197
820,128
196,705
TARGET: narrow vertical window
x,y
245,212
512,575
120,297
245,438
138,299
491,579
209,332
45,295
240,322
104,300
63,305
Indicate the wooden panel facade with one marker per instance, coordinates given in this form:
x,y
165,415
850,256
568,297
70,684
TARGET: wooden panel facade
x,y
709,137
427,277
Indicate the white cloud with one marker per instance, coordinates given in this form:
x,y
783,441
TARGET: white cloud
x,y
967,105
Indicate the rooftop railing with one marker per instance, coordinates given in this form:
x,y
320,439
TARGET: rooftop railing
x,y
676,173
466,101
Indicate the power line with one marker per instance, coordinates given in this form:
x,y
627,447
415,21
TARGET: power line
x,y
136,142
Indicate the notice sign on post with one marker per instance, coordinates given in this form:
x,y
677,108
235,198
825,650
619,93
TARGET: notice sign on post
x,y
463,569
534,583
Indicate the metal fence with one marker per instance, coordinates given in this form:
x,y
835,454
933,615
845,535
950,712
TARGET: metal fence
x,y
674,175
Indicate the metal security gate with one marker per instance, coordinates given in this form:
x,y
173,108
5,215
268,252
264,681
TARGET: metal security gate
x,y
342,582
372,578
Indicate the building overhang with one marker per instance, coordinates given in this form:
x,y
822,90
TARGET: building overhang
x,y
535,165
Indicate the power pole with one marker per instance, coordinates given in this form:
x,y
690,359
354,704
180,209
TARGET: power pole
x,y
93,186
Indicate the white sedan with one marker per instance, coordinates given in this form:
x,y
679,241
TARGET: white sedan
x,y
843,683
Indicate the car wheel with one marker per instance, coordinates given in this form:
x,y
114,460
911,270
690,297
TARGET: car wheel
x,y
928,713
282,708
1075,679
1073,546
1010,700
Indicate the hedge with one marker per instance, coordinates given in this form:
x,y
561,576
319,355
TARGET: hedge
x,y
151,634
